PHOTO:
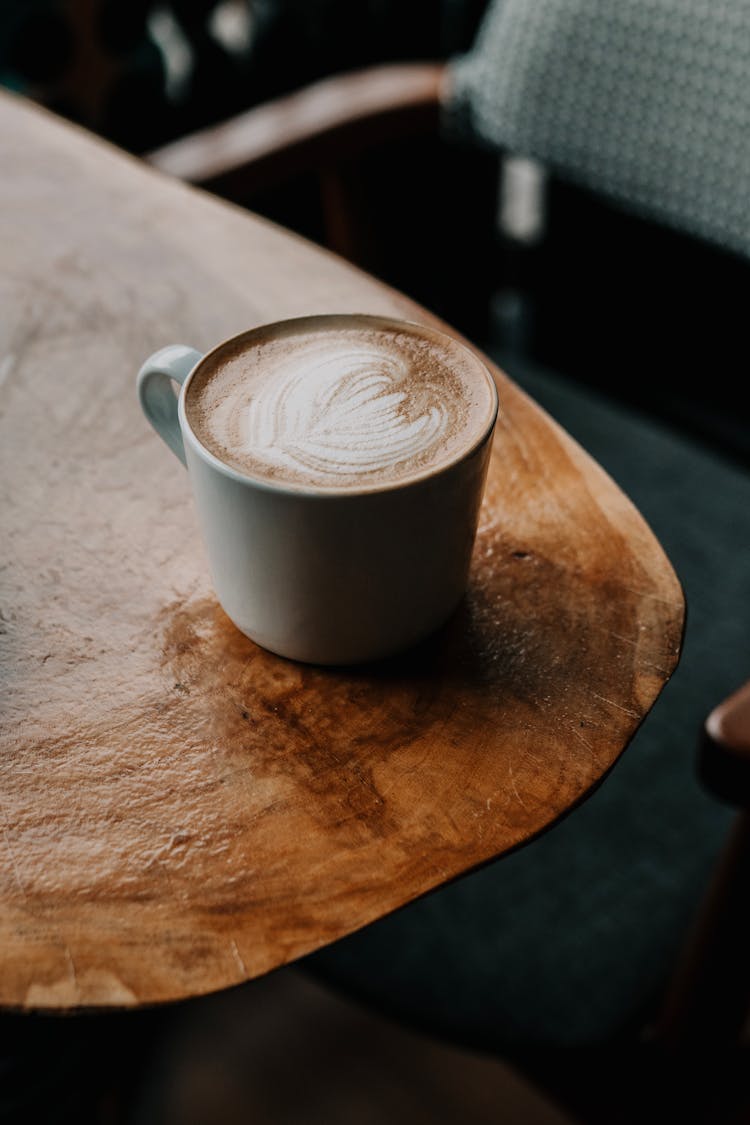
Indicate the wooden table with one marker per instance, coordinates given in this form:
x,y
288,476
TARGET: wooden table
x,y
180,810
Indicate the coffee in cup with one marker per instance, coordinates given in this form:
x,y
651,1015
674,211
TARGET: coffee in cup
x,y
337,465
347,406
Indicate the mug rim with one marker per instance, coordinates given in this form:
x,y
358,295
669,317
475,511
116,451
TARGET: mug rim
x,y
334,491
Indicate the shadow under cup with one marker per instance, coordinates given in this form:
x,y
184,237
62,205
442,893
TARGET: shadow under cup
x,y
329,575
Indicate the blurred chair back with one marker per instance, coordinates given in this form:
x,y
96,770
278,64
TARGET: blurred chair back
x,y
647,103
639,112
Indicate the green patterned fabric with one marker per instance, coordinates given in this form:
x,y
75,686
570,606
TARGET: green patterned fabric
x,y
644,101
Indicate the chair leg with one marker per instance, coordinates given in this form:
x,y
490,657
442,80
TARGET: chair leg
x,y
343,234
696,1042
708,1001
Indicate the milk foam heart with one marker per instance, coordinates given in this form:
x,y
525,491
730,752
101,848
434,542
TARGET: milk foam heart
x,y
336,414
340,408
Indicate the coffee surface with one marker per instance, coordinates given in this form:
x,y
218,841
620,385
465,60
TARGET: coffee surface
x,y
340,407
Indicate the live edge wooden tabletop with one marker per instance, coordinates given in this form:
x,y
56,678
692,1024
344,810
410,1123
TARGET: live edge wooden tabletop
x,y
180,810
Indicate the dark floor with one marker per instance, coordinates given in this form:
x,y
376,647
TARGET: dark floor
x,y
283,1051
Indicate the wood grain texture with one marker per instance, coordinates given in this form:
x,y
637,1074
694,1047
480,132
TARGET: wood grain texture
x,y
180,810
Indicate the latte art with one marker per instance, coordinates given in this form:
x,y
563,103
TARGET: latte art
x,y
339,408
339,414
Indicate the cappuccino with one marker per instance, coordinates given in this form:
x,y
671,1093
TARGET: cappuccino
x,y
351,403
337,465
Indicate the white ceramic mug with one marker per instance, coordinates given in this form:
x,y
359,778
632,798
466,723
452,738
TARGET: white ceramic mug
x,y
324,576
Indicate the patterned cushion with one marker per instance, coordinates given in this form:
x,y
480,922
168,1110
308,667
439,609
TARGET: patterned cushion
x,y
645,101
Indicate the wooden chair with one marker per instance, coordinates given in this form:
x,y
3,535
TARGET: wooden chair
x,y
575,942
357,162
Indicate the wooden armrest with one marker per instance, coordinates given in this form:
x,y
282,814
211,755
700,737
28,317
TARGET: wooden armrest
x,y
724,761
331,119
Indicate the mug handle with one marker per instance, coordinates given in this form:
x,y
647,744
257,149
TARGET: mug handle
x,y
157,398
